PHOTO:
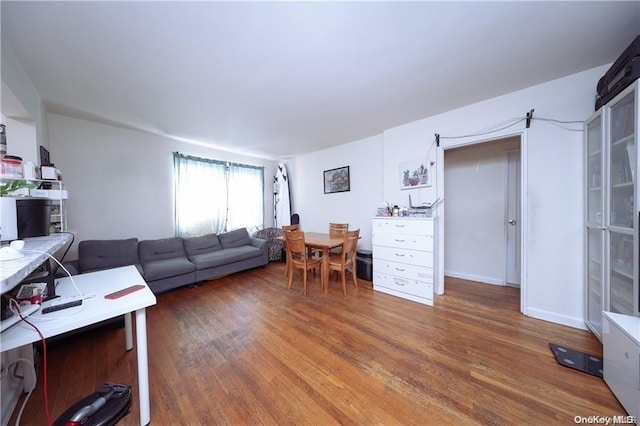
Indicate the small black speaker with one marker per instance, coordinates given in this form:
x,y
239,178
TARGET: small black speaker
x,y
33,216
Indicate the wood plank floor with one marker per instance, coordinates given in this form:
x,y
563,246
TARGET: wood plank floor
x,y
244,349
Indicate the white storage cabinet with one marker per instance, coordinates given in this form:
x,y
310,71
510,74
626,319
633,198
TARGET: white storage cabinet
x,y
621,340
404,257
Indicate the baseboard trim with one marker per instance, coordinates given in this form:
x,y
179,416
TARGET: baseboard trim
x,y
555,318
477,278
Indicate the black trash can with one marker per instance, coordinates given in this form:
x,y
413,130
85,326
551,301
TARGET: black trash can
x,y
364,264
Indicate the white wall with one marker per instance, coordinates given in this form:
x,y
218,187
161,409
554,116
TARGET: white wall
x,y
21,140
553,174
120,181
475,181
357,206
20,99
553,285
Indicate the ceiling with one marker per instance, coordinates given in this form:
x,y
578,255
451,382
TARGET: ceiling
x,y
280,79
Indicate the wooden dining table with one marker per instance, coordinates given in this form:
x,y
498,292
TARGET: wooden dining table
x,y
324,242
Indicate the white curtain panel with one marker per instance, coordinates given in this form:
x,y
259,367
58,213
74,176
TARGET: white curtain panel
x,y
246,197
214,196
200,196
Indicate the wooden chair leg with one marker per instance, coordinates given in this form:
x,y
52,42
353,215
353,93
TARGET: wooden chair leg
x,y
290,278
304,280
344,282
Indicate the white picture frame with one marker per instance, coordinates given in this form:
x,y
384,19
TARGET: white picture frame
x,y
415,174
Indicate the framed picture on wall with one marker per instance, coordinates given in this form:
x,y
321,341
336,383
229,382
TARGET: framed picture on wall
x,y
336,180
415,174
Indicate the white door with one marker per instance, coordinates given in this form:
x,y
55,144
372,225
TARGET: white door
x,y
513,218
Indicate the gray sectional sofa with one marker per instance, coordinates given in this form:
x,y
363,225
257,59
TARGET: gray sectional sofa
x,y
169,263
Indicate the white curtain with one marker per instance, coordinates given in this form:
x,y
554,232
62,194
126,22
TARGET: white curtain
x,y
214,196
246,195
200,196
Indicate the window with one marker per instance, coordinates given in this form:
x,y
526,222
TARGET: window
x,y
214,196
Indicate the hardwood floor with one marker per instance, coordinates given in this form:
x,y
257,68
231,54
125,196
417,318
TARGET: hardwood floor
x,y
246,350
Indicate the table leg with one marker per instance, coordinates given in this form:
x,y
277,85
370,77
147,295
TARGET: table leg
x,y
325,269
143,367
128,332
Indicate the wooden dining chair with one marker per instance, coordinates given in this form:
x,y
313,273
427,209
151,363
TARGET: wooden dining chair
x,y
337,229
346,259
285,229
298,256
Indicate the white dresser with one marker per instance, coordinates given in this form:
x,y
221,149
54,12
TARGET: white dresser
x,y
621,347
404,257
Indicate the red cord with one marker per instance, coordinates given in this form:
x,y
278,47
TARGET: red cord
x,y
44,363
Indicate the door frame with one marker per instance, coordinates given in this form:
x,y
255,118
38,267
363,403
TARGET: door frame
x,y
524,219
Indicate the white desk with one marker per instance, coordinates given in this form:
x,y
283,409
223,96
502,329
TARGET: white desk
x,y
94,310
14,271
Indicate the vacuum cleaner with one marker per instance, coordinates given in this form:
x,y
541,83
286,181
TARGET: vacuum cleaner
x,y
105,407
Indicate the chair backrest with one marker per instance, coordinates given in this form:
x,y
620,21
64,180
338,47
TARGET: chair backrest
x,y
289,228
295,243
337,229
350,244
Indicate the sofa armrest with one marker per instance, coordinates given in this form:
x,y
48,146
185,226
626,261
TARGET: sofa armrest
x,y
263,246
258,242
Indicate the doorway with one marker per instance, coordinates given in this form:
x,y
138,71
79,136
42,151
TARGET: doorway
x,y
483,214
512,219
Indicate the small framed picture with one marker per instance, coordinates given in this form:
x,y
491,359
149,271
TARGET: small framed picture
x,y
415,174
336,180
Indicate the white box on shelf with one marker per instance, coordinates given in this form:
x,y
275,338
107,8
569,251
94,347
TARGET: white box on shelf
x,y
39,193
22,192
48,173
56,194
53,194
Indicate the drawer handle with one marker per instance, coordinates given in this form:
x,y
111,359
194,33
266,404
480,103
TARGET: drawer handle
x,y
399,254
399,241
402,283
399,269
399,226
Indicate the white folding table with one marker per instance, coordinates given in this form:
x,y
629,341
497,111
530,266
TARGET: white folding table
x,y
96,308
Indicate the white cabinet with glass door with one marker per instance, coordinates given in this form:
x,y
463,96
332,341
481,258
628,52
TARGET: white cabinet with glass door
x,y
595,182
622,229
612,209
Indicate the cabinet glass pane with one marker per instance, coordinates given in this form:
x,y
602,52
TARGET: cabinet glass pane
x,y
621,273
594,172
623,162
594,278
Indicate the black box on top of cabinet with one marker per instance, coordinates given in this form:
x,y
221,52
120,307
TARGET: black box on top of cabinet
x,y
624,71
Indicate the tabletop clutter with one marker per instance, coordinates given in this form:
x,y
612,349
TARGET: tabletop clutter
x,y
386,210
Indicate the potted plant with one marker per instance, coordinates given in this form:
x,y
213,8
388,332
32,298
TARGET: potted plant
x,y
9,187
415,179
405,178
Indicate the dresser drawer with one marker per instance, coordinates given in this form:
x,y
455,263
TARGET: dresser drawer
x,y
414,257
414,287
410,242
403,226
403,270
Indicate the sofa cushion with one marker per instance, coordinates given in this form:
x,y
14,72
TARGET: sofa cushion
x,y
203,244
236,238
224,257
95,255
165,268
166,248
